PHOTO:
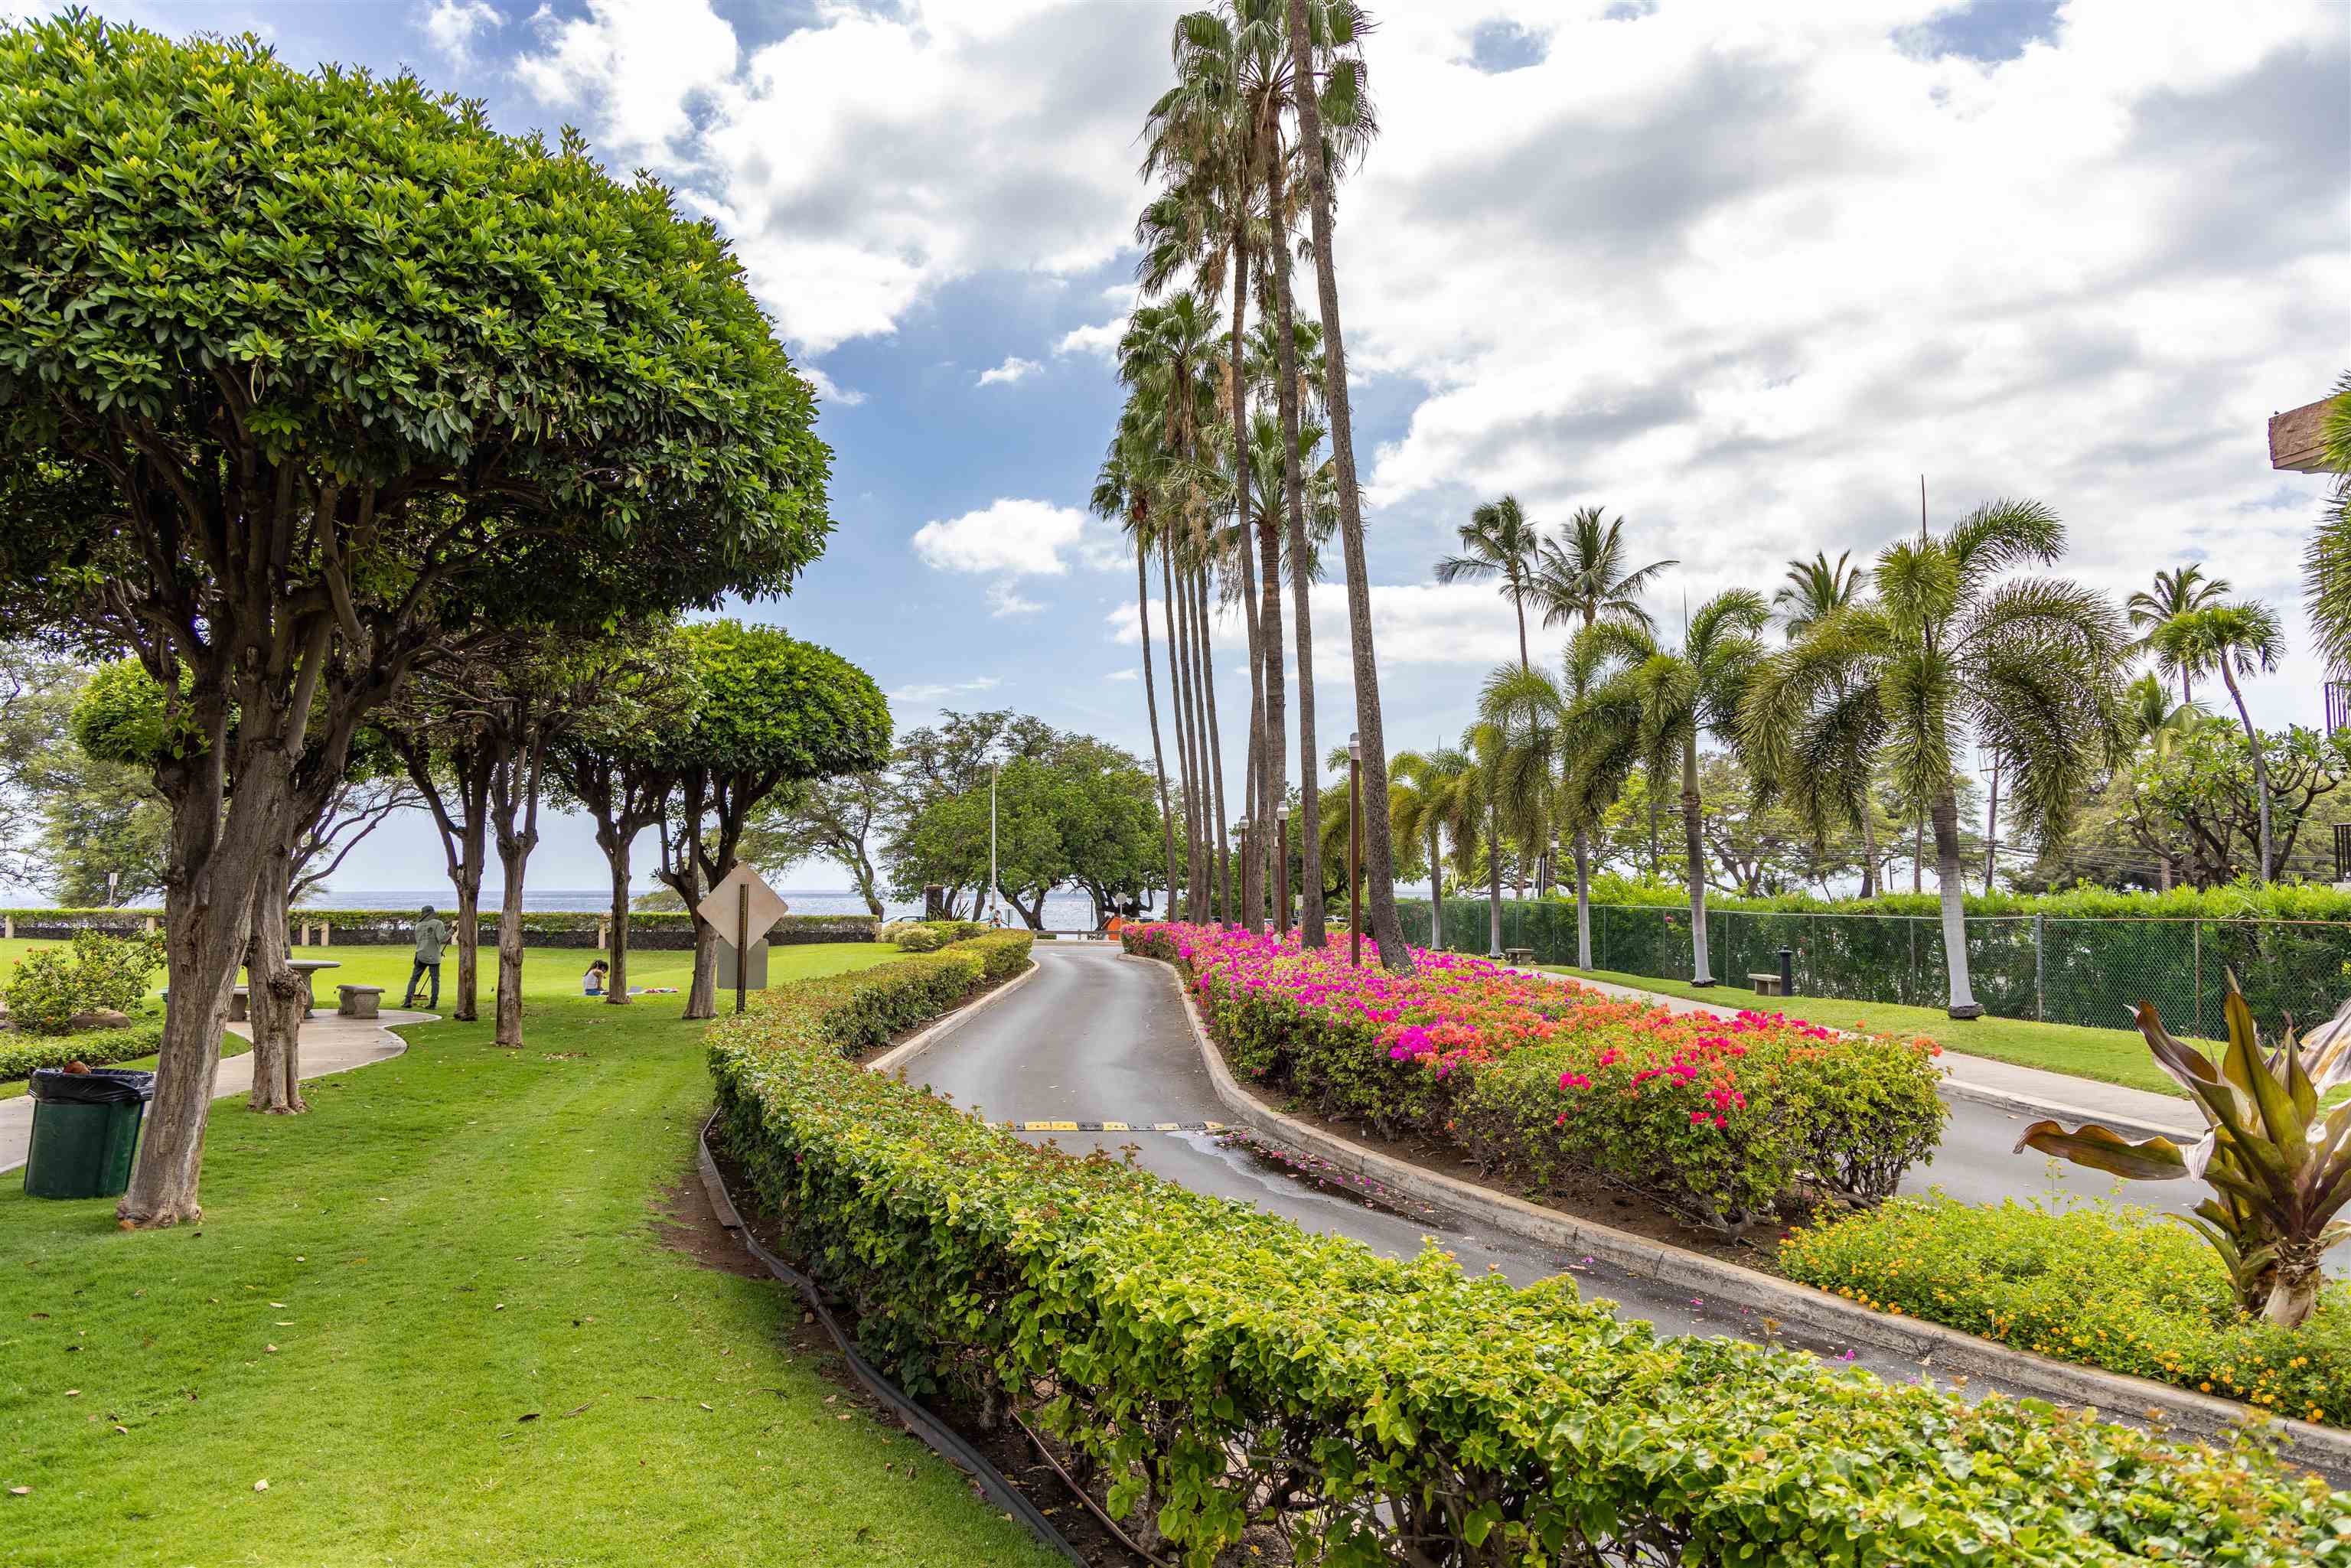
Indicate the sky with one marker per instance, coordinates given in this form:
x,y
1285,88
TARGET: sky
x,y
1741,272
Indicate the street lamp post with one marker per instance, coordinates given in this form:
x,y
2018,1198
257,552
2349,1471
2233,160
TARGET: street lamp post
x,y
1252,919
1354,848
991,837
1282,883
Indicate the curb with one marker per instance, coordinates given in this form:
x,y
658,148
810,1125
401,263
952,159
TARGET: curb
x,y
1947,1350
1959,1088
890,1061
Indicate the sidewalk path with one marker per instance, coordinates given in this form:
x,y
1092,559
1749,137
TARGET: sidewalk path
x,y
331,1043
2029,1091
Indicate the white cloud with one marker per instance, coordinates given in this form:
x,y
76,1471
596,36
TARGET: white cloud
x,y
1011,370
926,692
1016,538
451,26
827,388
886,148
1131,674
1004,602
1464,625
1099,339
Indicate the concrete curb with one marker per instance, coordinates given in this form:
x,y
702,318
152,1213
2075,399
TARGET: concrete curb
x,y
1947,1351
890,1061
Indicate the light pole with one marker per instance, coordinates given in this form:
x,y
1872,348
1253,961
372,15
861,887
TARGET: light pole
x,y
1251,921
991,838
1354,848
1281,886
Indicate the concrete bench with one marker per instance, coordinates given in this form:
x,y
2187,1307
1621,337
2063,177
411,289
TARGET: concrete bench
x,y
1518,955
359,1001
1766,982
240,1009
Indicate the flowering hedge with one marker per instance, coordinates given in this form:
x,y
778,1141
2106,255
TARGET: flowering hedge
x,y
1731,1120
2117,1287
1218,1371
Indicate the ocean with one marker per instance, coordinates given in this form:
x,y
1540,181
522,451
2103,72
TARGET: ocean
x,y
1063,911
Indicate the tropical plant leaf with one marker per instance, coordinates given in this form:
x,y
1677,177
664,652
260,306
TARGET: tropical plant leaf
x,y
2104,1149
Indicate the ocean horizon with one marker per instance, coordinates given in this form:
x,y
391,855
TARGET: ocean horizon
x,y
1063,911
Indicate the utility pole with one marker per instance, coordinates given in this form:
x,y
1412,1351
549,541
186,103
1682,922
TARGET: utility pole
x,y
1355,848
1281,884
991,838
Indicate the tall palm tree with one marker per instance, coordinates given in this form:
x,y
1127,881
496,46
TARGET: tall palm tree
x,y
1950,652
1539,715
1582,577
1334,121
2326,560
1669,698
1122,493
1433,797
2232,639
2175,592
1499,540
1815,589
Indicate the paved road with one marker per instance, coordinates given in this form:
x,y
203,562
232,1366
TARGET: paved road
x,y
1096,1036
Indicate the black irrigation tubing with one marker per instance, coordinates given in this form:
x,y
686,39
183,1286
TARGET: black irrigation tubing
x,y
1085,1497
941,1439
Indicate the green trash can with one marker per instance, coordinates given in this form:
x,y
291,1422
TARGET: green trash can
x,y
85,1131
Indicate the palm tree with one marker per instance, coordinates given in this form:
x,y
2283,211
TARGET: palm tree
x,y
1434,795
2234,640
1334,121
1122,492
1538,714
1950,653
1669,699
2326,561
2150,719
1582,578
1815,589
1499,540
2174,593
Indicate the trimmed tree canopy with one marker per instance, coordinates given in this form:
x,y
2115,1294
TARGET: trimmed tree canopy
x,y
779,709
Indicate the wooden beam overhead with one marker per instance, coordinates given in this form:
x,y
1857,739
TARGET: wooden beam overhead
x,y
2294,439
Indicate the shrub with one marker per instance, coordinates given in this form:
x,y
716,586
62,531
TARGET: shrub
x,y
20,1054
1730,1121
50,985
1222,1370
2112,1287
855,1012
919,939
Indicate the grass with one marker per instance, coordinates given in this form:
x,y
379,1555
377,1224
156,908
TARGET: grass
x,y
381,1290
2109,1055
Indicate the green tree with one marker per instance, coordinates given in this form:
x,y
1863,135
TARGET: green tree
x,y
1582,578
2174,591
1951,652
1433,796
379,371
1815,589
1122,492
773,711
1500,541
1657,703
833,820
2231,640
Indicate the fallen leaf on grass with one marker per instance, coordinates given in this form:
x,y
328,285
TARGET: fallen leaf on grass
x,y
73,1392
270,1348
20,1491
576,1409
705,1406
261,1486
533,1416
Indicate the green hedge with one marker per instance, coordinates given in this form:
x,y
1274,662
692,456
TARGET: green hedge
x,y
21,1053
2240,901
2118,1288
1218,1369
857,1011
652,929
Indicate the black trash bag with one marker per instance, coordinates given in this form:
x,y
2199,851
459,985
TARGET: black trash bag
x,y
99,1086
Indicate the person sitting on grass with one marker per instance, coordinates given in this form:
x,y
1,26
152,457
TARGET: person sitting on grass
x,y
591,984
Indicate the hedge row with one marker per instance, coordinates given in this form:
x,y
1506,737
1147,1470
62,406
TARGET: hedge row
x,y
2121,1288
21,1053
654,930
857,1011
2238,901
1221,1373
1732,1121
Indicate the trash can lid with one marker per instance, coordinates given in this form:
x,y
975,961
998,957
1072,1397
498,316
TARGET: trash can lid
x,y
99,1086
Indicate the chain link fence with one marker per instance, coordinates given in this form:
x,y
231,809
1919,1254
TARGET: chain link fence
x,y
2021,966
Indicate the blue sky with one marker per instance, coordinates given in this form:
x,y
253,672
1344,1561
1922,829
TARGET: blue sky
x,y
1740,271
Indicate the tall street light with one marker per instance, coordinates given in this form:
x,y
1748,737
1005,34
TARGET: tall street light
x,y
1355,847
1282,883
991,837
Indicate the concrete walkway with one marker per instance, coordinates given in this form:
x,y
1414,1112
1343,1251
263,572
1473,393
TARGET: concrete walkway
x,y
2027,1090
331,1043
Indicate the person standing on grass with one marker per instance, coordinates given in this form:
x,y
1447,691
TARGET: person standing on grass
x,y
432,931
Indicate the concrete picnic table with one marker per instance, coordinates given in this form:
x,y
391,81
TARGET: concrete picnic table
x,y
307,969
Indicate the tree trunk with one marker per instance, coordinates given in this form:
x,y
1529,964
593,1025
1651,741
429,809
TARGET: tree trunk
x,y
1151,705
1255,868
1657,799
2295,1280
1493,883
1379,850
515,786
1694,867
1918,856
276,996
1293,491
1991,823
1583,899
1223,886
1519,604
616,855
1868,846
1948,875
1180,639
2261,770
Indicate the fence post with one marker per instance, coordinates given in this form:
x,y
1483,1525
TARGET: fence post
x,y
2197,943
2040,973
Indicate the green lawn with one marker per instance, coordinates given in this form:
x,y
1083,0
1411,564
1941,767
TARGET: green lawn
x,y
381,1292
2110,1055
